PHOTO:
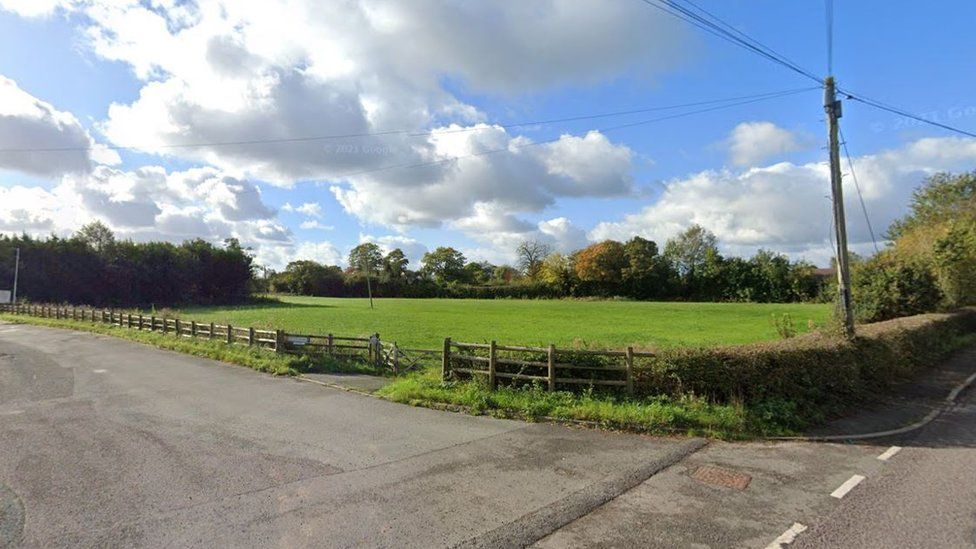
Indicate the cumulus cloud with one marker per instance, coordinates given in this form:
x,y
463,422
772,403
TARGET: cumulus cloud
x,y
413,249
753,142
26,122
151,203
785,206
271,75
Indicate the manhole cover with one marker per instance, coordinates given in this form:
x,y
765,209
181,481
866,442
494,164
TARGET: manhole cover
x,y
721,476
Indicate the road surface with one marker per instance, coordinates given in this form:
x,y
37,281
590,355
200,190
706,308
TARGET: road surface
x,y
913,491
105,442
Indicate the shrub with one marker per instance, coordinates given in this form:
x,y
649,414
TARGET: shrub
x,y
817,374
884,289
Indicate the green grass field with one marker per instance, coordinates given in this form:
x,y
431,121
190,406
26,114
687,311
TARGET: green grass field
x,y
425,323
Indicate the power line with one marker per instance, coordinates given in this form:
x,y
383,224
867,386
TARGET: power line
x,y
857,187
901,112
714,25
510,148
408,133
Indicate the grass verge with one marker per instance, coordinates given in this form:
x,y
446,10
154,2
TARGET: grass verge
x,y
254,358
661,415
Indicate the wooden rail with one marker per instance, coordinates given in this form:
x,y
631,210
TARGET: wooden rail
x,y
556,368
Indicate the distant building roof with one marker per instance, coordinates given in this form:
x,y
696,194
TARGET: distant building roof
x,y
824,273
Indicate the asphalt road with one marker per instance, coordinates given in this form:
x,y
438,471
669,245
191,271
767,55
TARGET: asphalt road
x,y
922,495
104,442
926,496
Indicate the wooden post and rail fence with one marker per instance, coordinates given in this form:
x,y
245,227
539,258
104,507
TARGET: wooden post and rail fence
x,y
554,368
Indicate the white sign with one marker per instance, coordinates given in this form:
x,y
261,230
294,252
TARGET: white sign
x,y
4,296
298,340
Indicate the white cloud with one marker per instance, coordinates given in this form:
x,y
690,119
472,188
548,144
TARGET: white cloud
x,y
785,206
247,72
753,142
29,123
311,224
563,234
31,8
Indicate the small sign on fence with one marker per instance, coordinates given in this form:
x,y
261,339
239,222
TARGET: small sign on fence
x,y
298,341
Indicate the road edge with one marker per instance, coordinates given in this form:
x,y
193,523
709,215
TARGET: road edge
x,y
538,524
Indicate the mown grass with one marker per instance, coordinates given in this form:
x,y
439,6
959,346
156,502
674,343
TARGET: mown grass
x,y
255,358
424,323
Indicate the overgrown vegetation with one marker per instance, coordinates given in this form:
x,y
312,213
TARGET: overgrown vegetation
x,y
932,260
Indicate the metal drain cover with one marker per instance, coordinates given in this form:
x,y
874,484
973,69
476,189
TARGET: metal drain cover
x,y
721,476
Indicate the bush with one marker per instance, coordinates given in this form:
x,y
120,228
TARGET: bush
x,y
884,289
817,374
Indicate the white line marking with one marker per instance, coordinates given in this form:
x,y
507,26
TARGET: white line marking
x,y
787,537
99,371
889,453
847,486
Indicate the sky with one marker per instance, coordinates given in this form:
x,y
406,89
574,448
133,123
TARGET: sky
x,y
303,128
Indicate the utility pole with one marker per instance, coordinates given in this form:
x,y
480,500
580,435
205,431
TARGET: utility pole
x,y
16,272
369,286
833,109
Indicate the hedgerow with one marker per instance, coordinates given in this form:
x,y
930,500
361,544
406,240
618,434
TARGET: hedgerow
x,y
813,375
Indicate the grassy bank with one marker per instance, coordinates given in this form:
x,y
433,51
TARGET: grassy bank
x,y
424,323
257,359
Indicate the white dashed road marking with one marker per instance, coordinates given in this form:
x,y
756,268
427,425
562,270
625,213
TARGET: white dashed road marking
x,y
99,371
847,486
889,453
787,537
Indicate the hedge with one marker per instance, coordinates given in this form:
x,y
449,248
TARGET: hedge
x,y
815,374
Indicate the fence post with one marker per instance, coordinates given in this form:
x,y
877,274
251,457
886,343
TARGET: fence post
x,y
128,321
630,371
330,345
230,335
446,365
250,337
552,367
140,322
396,358
211,336
492,362
377,348
279,341
193,328
152,323
178,328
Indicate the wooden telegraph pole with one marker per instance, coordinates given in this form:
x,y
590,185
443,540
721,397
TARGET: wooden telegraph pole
x,y
833,109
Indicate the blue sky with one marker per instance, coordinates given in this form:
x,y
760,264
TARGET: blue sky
x,y
179,72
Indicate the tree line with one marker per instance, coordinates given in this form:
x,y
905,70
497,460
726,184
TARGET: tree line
x,y
689,267
92,267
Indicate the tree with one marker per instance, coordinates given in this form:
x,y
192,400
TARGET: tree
x,y
647,274
365,258
97,236
395,264
602,265
479,272
530,254
444,265
557,270
504,274
689,250
691,253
